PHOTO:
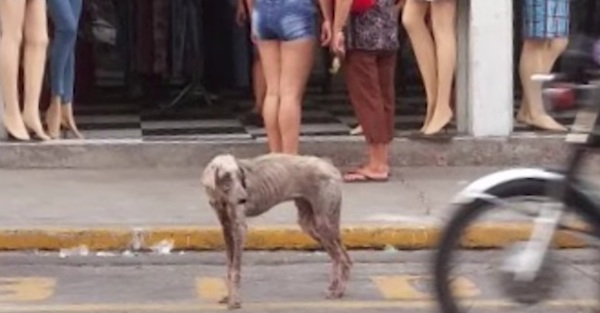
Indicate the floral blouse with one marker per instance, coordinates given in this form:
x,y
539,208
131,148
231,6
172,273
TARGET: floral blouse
x,y
374,30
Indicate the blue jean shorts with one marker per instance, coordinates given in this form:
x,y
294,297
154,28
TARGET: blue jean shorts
x,y
284,20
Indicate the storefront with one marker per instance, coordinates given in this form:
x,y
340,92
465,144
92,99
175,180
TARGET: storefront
x,y
132,71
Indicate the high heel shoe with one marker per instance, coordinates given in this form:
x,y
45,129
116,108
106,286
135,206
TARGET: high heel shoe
x,y
38,134
53,121
11,135
68,122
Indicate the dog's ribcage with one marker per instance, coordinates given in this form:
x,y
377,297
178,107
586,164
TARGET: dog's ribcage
x,y
275,179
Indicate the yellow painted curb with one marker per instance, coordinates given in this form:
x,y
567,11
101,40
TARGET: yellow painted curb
x,y
409,237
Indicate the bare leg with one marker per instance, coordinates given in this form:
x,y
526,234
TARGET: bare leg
x,y
413,19
270,51
297,58
12,16
534,58
443,18
260,85
36,44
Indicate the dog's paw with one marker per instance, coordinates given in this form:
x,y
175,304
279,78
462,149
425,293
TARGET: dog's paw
x,y
234,305
225,300
335,294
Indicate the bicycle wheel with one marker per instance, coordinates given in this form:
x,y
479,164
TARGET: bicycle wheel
x,y
549,285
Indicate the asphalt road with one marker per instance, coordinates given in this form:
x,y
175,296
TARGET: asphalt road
x,y
272,282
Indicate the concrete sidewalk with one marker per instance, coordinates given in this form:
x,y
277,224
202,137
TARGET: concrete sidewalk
x,y
136,209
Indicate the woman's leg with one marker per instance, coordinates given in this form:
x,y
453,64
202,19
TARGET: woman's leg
x,y
12,15
259,84
386,65
297,58
36,44
69,78
270,56
363,84
443,20
413,19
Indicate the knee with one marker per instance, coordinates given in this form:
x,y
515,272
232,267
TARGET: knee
x,y
413,22
67,30
39,40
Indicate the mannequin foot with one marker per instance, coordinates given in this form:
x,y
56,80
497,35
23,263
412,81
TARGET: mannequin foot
x,y
543,122
439,120
16,129
68,121
53,119
34,125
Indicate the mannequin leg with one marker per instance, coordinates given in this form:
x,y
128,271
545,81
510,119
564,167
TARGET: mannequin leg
x,y
554,48
65,32
443,19
12,15
534,58
68,117
413,19
36,43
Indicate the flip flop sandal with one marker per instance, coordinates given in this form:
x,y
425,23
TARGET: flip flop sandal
x,y
358,177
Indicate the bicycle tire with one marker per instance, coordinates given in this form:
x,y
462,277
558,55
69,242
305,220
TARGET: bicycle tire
x,y
464,216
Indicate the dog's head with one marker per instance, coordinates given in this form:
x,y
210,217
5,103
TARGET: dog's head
x,y
225,180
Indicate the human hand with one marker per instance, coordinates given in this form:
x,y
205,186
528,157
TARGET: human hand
x,y
326,33
338,44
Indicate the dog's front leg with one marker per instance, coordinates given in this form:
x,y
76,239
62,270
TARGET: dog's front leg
x,y
239,230
225,221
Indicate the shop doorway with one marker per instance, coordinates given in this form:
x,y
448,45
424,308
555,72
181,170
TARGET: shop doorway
x,y
133,66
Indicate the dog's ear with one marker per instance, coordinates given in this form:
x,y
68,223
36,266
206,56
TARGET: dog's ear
x,y
245,170
209,177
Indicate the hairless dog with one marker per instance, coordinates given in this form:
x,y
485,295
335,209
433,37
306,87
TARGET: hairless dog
x,y
241,188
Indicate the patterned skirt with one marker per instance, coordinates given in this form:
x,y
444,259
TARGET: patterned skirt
x,y
544,19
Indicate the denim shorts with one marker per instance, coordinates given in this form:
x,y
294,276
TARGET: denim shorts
x,y
284,20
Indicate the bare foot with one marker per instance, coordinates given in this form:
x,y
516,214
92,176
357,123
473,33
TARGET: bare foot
x,y
15,127
439,120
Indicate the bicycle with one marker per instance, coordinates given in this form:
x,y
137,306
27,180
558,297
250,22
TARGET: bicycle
x,y
527,276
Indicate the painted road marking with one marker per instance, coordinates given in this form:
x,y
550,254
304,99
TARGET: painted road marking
x,y
275,306
211,289
413,287
24,289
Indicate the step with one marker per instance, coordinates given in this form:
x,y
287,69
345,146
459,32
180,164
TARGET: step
x,y
522,149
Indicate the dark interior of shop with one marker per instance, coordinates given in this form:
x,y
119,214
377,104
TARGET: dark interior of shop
x,y
181,69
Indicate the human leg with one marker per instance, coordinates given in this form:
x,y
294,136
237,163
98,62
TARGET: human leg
x,y
12,15
299,33
364,89
270,50
35,47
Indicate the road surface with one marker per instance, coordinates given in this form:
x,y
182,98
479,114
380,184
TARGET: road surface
x,y
272,282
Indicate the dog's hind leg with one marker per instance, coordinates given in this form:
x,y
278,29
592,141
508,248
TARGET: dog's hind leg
x,y
327,223
307,222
